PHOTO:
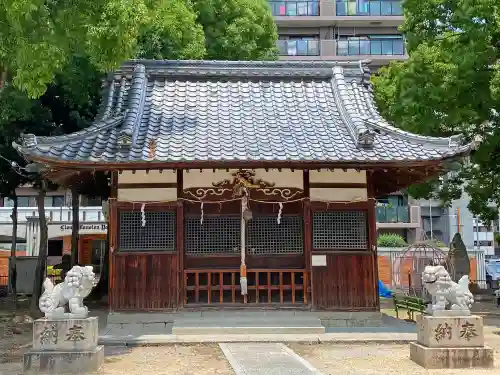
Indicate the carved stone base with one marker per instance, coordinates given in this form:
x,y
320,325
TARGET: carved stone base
x,y
65,335
61,362
438,358
450,331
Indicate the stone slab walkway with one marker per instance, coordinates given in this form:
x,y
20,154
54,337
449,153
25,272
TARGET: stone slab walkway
x,y
266,359
339,338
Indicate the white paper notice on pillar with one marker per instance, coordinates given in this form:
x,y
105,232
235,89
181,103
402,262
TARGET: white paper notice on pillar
x,y
318,261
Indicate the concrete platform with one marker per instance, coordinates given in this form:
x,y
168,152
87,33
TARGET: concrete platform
x,y
253,326
327,318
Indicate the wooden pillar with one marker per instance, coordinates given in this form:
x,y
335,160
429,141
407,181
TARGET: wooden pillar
x,y
180,240
112,237
372,232
308,236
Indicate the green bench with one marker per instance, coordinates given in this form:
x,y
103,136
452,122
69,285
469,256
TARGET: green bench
x,y
411,304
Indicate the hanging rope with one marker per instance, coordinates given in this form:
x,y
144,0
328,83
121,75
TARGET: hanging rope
x,y
239,199
202,213
143,215
279,213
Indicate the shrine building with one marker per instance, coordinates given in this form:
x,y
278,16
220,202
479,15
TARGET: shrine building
x,y
242,183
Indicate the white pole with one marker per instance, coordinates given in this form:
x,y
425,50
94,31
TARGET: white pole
x,y
243,239
477,233
430,219
243,267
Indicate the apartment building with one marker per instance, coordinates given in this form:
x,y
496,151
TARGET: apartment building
x,y
340,30
442,223
350,30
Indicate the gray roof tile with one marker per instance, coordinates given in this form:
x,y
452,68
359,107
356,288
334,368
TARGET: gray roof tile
x,y
240,111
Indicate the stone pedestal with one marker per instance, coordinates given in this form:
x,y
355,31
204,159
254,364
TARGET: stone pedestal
x,y
450,342
67,346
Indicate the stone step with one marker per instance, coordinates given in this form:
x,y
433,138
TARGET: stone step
x,y
245,326
265,359
246,330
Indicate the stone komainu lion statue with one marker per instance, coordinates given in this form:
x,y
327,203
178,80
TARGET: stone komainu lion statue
x,y
445,292
77,285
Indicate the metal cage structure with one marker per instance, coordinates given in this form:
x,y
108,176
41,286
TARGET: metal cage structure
x,y
409,265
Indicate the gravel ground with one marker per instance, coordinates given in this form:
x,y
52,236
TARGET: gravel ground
x,y
169,360
381,359
163,360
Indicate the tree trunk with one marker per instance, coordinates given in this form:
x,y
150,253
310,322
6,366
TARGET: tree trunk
x,y
13,248
75,205
41,265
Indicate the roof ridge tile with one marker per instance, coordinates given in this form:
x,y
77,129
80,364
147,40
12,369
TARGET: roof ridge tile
x,y
362,135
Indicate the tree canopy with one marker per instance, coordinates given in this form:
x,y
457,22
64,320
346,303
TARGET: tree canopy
x,y
38,38
450,84
237,29
54,53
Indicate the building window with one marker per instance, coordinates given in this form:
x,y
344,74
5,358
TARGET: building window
x,y
91,202
214,235
384,45
484,243
54,201
294,8
340,230
55,248
30,201
369,8
266,236
22,201
298,46
157,233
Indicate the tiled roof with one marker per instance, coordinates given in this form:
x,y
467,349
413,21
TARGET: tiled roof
x,y
202,111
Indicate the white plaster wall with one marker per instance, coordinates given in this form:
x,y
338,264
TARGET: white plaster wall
x,y
152,177
206,178
285,178
6,230
339,194
147,195
337,175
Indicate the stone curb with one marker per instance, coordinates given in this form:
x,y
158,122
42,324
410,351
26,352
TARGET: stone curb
x,y
197,339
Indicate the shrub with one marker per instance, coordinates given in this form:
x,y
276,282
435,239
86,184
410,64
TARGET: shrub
x,y
435,243
391,240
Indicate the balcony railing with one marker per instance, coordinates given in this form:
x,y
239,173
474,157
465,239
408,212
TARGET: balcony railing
x,y
398,214
55,214
369,8
294,8
355,47
299,47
